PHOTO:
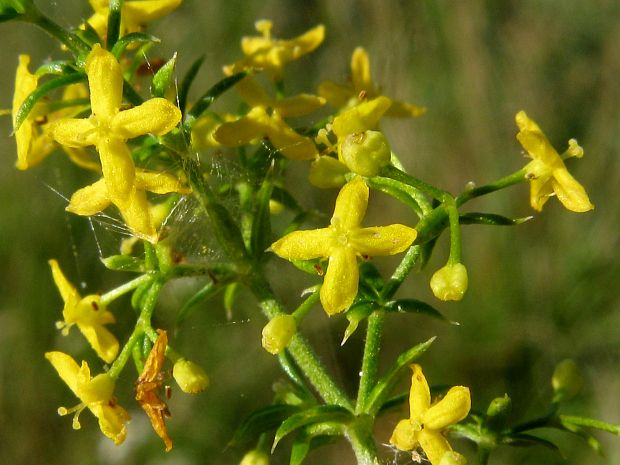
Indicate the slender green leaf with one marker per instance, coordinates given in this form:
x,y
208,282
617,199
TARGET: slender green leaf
x,y
312,437
187,81
491,219
259,421
42,91
133,38
208,291
213,93
163,77
415,306
528,440
55,67
356,314
260,238
386,384
318,414
401,192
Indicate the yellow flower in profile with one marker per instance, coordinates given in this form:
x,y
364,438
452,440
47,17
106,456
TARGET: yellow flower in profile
x,y
108,128
266,119
341,242
95,393
137,212
88,313
271,55
426,421
362,87
547,173
135,14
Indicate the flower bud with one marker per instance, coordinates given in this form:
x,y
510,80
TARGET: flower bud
x,y
450,282
327,172
190,377
278,333
566,380
452,458
255,457
365,153
499,406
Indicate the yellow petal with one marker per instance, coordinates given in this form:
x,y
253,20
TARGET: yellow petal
x,y
99,21
101,340
341,281
362,117
336,94
351,205
118,169
383,240
112,419
404,110
419,395
25,83
360,71
298,105
159,182
540,191
451,409
90,200
304,245
404,436
244,130
73,132
291,144
156,116
68,292
137,216
572,194
141,12
82,158
434,445
327,172
252,92
308,41
66,367
105,81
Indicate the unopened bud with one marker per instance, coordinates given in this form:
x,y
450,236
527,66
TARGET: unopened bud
x,y
278,333
566,380
452,458
365,153
255,457
450,282
499,406
190,376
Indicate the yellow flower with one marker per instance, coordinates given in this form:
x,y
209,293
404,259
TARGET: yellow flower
x,y
134,14
95,393
266,119
137,212
108,128
362,87
547,172
272,55
342,241
148,383
88,313
425,423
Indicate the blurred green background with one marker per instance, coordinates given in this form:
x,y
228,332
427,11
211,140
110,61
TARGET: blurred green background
x,y
539,293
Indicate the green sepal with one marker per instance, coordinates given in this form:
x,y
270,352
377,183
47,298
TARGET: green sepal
x,y
260,238
415,306
261,420
356,313
133,38
314,415
212,94
124,263
41,91
187,81
386,384
491,219
313,437
208,291
163,77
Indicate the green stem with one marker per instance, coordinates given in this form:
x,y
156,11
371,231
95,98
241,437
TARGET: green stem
x,y
71,41
455,232
401,272
398,175
514,178
114,294
360,436
114,23
483,455
300,350
370,361
591,423
303,309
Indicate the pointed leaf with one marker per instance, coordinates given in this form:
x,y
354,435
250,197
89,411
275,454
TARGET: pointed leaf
x,y
133,38
55,67
187,81
163,77
528,440
318,414
313,437
491,219
415,306
259,421
398,190
261,219
355,314
208,291
213,93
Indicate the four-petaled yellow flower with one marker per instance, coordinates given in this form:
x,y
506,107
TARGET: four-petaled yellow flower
x,y
342,241
266,119
95,393
425,423
362,87
134,14
88,313
137,213
33,140
272,55
108,128
547,172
